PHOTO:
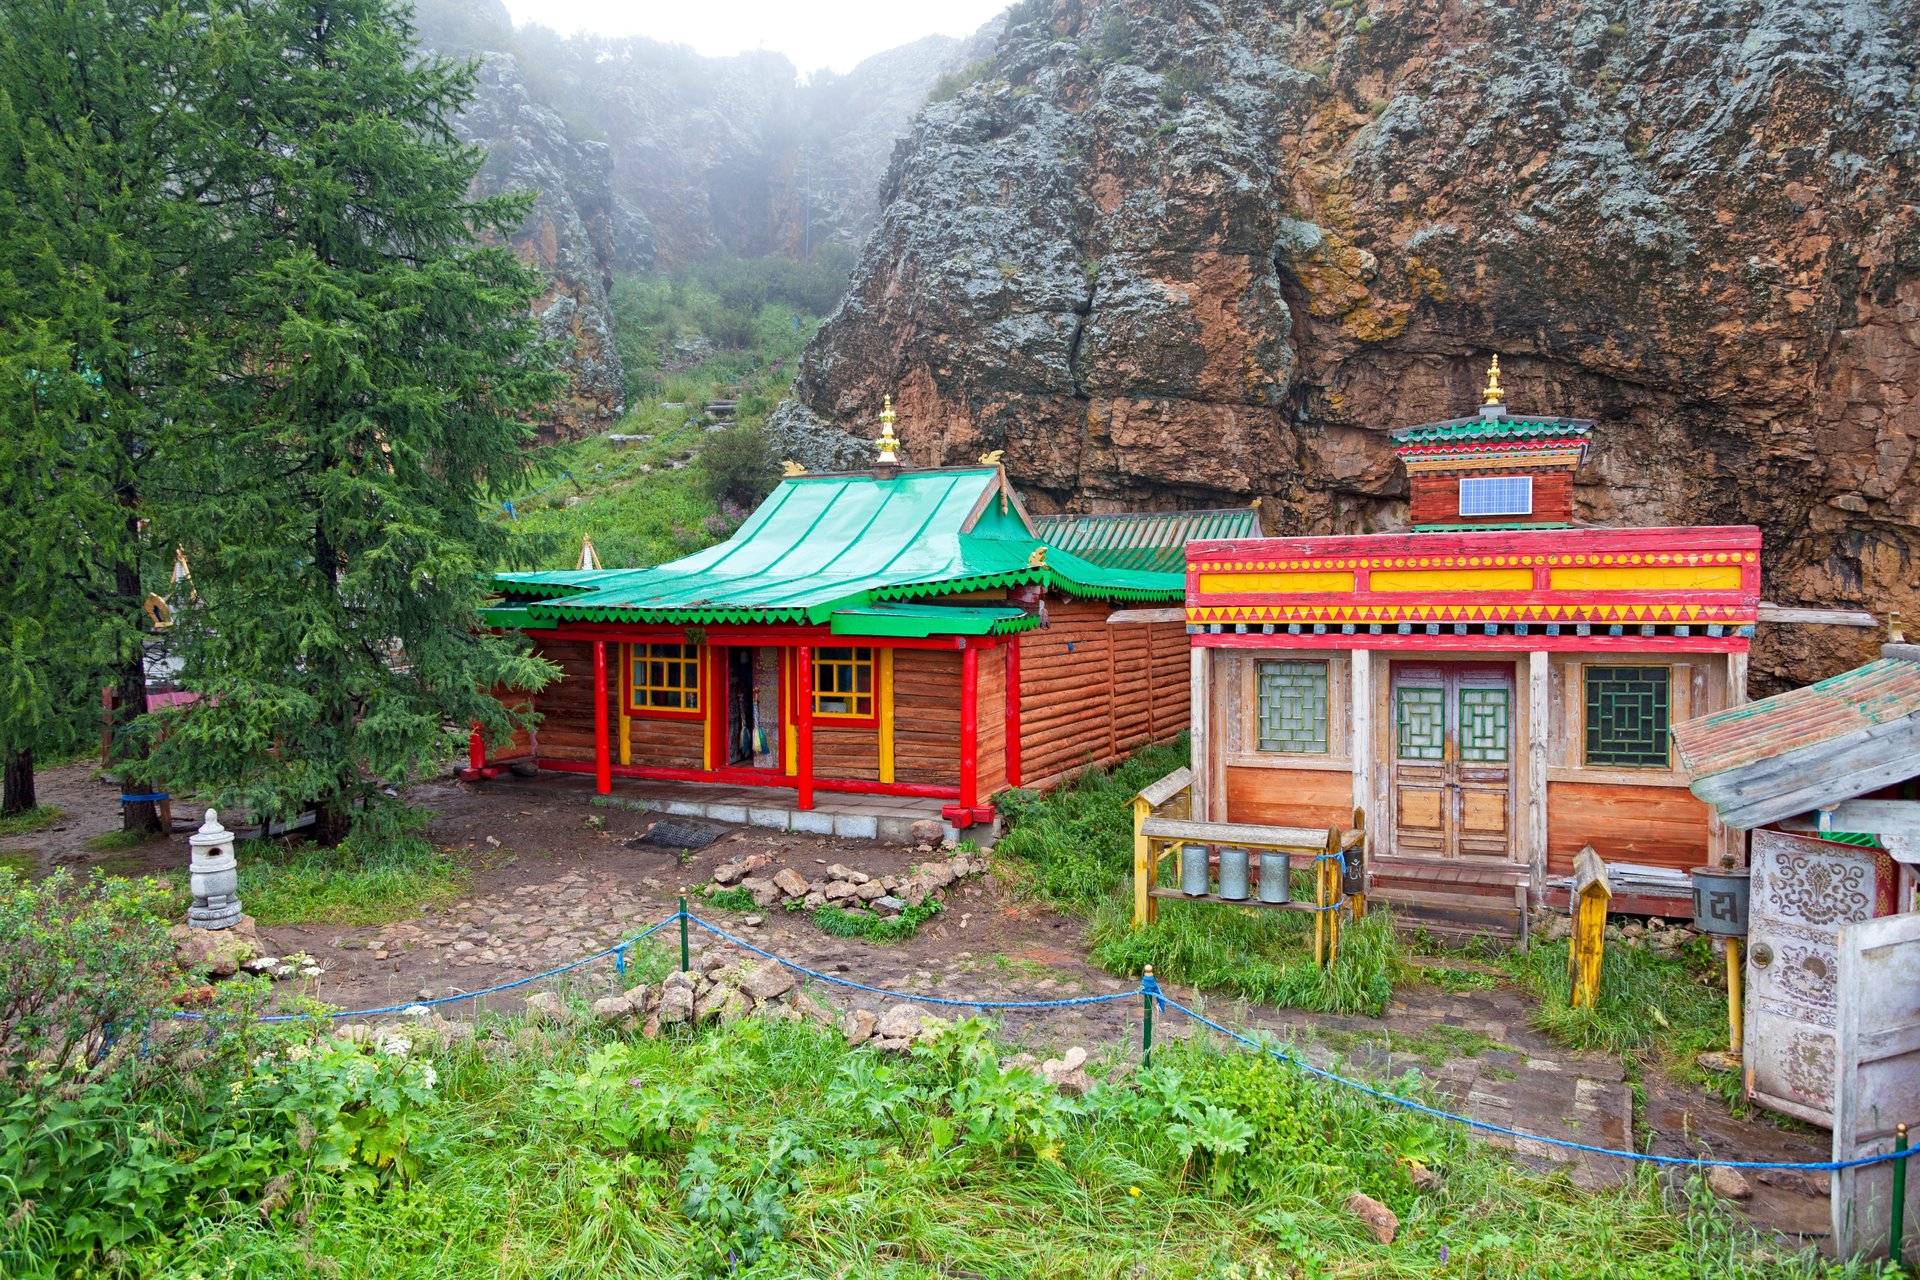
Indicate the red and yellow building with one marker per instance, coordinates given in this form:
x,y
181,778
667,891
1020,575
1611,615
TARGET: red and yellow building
x,y
1493,690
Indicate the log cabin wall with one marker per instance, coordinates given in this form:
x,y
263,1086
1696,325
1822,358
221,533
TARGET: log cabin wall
x,y
926,716
990,721
1093,692
566,714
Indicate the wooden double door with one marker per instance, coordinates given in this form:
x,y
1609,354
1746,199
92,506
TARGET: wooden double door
x,y
1452,728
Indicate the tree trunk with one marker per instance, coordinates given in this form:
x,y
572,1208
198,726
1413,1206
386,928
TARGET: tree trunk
x,y
16,790
130,701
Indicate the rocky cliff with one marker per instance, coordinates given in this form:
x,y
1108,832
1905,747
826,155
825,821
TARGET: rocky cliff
x,y
1205,252
642,152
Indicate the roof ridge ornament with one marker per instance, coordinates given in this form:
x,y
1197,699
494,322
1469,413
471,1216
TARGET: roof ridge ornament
x,y
789,468
1494,401
889,443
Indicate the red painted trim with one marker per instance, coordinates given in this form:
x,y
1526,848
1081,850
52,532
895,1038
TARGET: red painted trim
x,y
803,722
757,778
1447,640
1013,715
742,636
715,698
602,762
969,727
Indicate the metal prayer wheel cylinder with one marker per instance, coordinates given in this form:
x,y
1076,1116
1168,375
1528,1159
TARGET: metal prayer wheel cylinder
x,y
1274,870
213,877
1193,870
1353,874
1720,896
1233,873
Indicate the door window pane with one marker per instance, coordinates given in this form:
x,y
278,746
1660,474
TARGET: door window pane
x,y
1292,707
1419,723
1486,734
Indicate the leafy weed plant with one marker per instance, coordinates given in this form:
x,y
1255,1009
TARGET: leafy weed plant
x,y
1078,839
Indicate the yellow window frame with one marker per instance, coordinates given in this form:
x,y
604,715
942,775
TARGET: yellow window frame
x,y
666,680
849,677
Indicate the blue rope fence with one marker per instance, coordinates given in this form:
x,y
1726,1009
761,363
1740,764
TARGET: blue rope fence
x,y
1149,988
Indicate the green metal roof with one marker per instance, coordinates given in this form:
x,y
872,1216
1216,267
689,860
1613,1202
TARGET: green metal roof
x,y
922,620
1155,541
820,544
1501,427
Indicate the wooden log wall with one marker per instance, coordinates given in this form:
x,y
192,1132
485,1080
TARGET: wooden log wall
x,y
1092,693
521,744
1651,826
1290,797
926,717
990,715
846,751
566,714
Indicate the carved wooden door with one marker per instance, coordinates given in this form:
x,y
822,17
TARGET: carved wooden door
x,y
1803,892
1453,760
1878,1078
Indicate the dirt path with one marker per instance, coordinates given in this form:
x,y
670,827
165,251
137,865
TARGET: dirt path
x,y
559,877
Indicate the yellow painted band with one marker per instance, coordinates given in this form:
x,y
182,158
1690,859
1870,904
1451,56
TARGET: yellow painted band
x,y
1273,583
884,661
1679,578
1452,579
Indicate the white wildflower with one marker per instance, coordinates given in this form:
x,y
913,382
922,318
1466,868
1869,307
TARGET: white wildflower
x,y
416,1011
262,964
392,1044
310,971
428,1076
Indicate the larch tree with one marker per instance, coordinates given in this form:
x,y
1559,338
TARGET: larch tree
x,y
106,250
377,362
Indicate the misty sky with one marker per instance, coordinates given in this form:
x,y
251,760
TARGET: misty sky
x,y
834,34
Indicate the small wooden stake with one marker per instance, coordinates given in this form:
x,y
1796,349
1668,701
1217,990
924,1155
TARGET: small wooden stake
x,y
1591,893
1735,1013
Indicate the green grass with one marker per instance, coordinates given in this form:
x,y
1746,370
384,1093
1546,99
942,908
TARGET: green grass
x,y
21,862
1077,841
37,818
120,840
1253,953
299,883
873,926
872,1182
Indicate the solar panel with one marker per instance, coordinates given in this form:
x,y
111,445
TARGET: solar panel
x,y
1496,496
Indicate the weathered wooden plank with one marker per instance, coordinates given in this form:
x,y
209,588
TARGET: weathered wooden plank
x,y
1793,783
1237,834
1819,617
1120,617
1158,793
1167,891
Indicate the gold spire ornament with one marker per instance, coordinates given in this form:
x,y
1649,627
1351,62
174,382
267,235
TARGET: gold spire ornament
x,y
1494,394
889,443
789,468
992,457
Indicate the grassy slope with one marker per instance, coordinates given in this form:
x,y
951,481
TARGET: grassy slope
x,y
531,1183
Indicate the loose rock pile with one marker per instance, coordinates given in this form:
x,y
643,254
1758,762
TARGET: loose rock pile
x,y
721,990
1656,934
843,886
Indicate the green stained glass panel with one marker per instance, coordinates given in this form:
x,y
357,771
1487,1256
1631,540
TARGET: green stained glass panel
x,y
1486,733
1420,723
1627,716
1292,710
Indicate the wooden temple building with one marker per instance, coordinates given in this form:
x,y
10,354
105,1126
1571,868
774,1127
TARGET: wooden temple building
x,y
890,632
1492,690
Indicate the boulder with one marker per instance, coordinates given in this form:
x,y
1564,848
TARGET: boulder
x,y
840,871
928,831
765,892
839,891
613,1011
217,952
808,1008
888,905
857,1025
730,872
1376,1217
901,1022
756,861
870,891
1068,1074
676,1003
935,875
766,980
548,1007
791,883
1728,1184
814,901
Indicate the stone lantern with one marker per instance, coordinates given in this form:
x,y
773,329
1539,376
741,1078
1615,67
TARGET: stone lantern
x,y
215,882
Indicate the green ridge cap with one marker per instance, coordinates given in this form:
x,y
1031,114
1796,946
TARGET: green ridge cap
x,y
1464,430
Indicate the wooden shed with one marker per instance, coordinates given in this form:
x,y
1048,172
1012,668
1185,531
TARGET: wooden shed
x,y
893,632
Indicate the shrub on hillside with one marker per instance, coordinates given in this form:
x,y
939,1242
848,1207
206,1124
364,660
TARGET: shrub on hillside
x,y
738,466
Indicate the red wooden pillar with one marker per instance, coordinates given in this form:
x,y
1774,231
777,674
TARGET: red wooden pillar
x,y
969,727
602,762
716,706
803,722
1012,650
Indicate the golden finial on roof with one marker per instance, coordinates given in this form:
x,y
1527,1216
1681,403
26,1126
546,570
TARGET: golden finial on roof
x,y
1494,394
1896,634
1038,560
1255,504
790,469
589,558
889,443
992,457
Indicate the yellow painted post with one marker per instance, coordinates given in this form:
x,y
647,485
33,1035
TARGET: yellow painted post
x,y
624,652
884,661
1591,893
1329,895
1736,1015
1143,863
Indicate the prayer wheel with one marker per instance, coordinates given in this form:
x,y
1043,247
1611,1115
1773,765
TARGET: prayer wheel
x,y
1274,870
1233,873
